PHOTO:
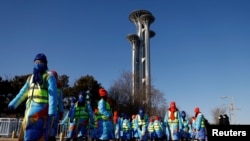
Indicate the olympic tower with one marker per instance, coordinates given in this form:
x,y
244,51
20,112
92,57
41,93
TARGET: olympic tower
x,y
141,80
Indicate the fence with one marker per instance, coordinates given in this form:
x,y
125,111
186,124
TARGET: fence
x,y
10,125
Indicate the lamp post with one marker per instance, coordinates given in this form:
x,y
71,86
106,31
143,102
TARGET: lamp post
x,y
231,109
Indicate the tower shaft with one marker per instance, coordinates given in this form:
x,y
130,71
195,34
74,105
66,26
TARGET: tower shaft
x,y
141,53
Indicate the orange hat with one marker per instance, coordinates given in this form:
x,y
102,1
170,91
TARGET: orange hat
x,y
156,118
133,116
115,113
172,104
96,111
102,92
54,73
197,110
151,120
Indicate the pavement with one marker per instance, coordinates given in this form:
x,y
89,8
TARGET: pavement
x,y
12,139
8,139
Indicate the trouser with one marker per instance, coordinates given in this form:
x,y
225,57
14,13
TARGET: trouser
x,y
34,129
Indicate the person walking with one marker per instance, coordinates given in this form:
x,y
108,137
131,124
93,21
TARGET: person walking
x,y
53,130
151,130
225,120
135,135
184,132
200,129
116,126
80,116
158,127
220,120
66,121
141,123
172,121
192,126
105,129
93,125
126,129
40,93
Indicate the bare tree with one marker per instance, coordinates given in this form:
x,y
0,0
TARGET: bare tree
x,y
216,112
158,103
121,92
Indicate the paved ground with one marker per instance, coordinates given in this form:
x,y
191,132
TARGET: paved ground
x,y
8,139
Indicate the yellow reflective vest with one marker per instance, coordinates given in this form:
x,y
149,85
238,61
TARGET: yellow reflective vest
x,y
81,112
108,108
39,92
175,117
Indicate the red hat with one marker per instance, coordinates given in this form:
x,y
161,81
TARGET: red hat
x,y
96,111
151,120
133,116
102,92
172,105
115,113
197,110
54,73
156,118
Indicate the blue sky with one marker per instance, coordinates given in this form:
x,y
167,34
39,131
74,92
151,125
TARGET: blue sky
x,y
200,51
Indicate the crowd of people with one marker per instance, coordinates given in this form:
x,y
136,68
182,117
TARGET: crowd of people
x,y
101,124
44,109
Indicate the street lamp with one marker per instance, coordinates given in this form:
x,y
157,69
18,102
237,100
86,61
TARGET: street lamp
x,y
231,109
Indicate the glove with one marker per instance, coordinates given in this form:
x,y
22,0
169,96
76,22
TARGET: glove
x,y
11,106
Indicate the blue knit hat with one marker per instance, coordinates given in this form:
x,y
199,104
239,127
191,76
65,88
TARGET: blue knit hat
x,y
41,57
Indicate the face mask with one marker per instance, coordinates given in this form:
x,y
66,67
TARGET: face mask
x,y
141,113
39,67
80,98
183,115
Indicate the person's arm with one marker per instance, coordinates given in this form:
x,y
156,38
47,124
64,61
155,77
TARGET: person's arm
x,y
60,106
180,120
72,114
20,97
165,120
52,93
165,125
198,122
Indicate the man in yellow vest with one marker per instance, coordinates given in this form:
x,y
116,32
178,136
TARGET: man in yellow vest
x,y
141,123
135,135
151,130
158,128
184,134
200,126
126,129
105,129
80,115
40,93
172,122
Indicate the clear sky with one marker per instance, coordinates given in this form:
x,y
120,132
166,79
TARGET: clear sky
x,y
201,50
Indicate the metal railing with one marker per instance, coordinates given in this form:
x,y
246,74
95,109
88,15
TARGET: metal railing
x,y
10,125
